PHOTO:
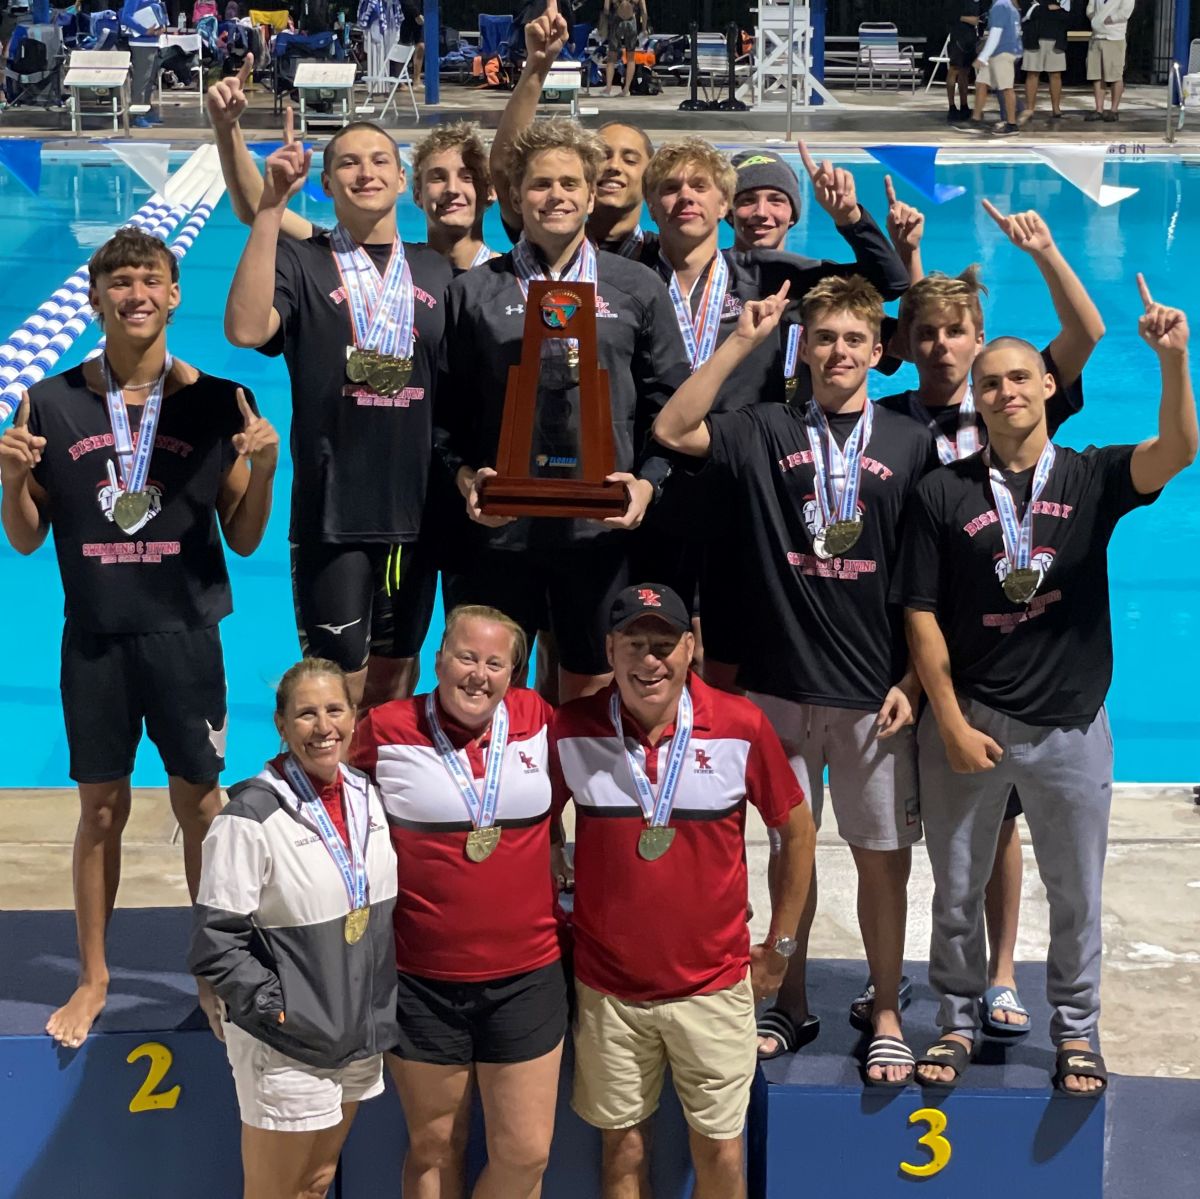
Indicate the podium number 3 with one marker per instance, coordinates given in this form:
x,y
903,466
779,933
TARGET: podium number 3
x,y
147,1098
933,1140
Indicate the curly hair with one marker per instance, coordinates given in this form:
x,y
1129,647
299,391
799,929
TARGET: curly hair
x,y
462,136
558,133
691,151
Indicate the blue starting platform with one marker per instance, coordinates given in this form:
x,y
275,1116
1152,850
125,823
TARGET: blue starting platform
x,y
146,1106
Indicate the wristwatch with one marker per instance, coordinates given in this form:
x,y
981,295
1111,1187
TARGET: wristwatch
x,y
784,946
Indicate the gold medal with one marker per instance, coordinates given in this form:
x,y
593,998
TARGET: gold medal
x,y
383,378
654,842
404,370
130,510
481,842
841,536
1021,584
356,925
790,387
357,363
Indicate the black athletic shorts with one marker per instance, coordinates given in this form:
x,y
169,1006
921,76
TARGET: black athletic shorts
x,y
1013,808
573,588
513,1019
174,682
357,601
962,52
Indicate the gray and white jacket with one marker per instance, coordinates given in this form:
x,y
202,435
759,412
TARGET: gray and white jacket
x,y
268,928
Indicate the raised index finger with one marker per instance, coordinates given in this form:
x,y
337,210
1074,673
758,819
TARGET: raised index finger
x,y
247,68
995,214
21,420
244,407
889,189
807,159
289,127
781,294
1144,292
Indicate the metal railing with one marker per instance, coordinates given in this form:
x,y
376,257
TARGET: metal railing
x,y
1174,89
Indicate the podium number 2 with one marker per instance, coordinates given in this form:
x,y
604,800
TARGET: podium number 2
x,y
147,1099
933,1140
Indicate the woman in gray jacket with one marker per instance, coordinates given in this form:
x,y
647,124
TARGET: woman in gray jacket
x,y
293,929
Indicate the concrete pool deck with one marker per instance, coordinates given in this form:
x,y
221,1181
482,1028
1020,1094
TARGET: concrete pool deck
x,y
1151,903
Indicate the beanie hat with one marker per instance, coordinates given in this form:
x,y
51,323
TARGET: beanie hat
x,y
764,168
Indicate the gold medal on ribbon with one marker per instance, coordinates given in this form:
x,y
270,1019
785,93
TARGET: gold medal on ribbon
x,y
841,536
790,387
654,842
130,509
1021,584
356,364
356,925
481,842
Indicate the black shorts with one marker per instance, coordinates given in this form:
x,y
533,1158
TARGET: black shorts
x,y
357,601
1013,808
572,588
174,682
502,1020
962,54
412,32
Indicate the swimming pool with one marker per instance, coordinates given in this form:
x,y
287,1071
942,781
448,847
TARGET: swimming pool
x,y
1155,554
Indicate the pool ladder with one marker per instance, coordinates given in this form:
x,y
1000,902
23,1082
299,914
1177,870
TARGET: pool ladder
x,y
1175,89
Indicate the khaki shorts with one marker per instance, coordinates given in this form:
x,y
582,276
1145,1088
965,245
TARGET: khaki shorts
x,y
623,1049
278,1093
1044,58
1000,72
1106,60
872,783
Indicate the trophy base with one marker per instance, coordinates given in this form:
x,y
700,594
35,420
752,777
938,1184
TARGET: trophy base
x,y
552,497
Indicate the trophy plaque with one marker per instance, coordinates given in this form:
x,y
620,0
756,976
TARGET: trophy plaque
x,y
556,434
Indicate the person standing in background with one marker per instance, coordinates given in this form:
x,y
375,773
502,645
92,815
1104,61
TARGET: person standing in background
x,y
1106,54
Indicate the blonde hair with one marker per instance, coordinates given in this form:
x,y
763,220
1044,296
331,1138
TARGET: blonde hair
x,y
307,668
937,291
462,136
693,151
520,643
853,295
558,133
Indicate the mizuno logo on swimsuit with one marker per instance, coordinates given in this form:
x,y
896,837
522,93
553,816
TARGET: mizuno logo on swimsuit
x,y
338,629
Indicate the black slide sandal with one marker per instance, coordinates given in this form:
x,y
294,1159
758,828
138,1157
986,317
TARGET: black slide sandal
x,y
789,1036
944,1053
1080,1063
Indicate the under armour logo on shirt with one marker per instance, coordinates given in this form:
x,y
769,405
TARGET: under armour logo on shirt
x,y
514,309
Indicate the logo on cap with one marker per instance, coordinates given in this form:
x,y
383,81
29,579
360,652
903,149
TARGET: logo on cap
x,y
650,599
558,307
757,160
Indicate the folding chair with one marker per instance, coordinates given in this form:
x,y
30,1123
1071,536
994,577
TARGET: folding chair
x,y
400,56
105,74
941,59
879,50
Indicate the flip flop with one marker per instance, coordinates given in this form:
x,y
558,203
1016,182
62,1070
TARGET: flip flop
x,y
789,1036
888,1051
862,1007
1002,999
944,1053
1081,1063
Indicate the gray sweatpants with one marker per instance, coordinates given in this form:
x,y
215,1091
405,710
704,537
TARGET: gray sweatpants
x,y
1064,776
144,64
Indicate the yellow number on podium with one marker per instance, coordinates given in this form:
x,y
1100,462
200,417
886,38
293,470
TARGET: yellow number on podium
x,y
147,1099
933,1140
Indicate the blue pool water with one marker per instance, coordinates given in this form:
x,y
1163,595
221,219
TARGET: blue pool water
x,y
1155,556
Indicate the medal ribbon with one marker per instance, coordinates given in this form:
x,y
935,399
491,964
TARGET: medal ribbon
x,y
657,810
527,268
353,868
1018,538
484,254
831,463
482,810
966,441
381,310
134,463
700,332
631,247
792,352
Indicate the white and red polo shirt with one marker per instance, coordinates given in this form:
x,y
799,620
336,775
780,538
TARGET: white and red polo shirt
x,y
664,929
455,919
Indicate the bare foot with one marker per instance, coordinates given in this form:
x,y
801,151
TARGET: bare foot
x,y
943,1074
1073,1082
212,1007
886,1023
70,1025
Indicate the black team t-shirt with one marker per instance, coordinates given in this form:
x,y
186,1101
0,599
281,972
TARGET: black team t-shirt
x,y
169,574
1066,401
817,631
637,343
1048,662
360,460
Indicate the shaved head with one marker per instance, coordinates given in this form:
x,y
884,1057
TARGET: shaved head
x,y
1036,361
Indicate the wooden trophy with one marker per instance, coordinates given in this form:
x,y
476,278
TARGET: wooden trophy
x,y
554,453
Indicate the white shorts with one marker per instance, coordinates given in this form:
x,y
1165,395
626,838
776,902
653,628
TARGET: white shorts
x,y
1000,72
278,1093
872,783
1044,58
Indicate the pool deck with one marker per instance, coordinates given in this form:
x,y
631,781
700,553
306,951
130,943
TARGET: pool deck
x,y
864,116
1151,903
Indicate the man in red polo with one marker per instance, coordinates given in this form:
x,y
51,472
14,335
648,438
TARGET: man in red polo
x,y
661,767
